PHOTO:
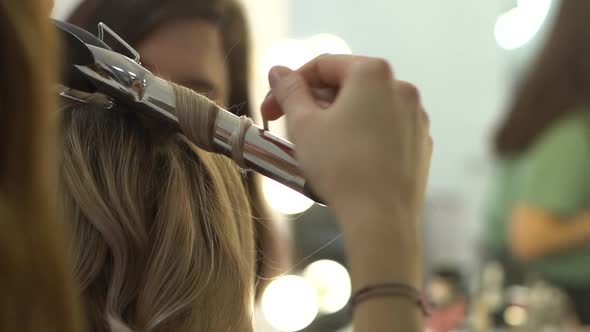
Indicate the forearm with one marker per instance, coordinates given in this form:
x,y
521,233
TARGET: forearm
x,y
566,236
536,234
388,314
381,251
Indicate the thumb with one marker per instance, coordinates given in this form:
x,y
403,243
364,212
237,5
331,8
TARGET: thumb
x,y
291,92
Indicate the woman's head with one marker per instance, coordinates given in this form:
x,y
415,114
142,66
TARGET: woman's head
x,y
204,45
201,44
558,82
162,233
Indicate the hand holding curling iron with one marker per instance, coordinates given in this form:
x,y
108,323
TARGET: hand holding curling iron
x,y
370,145
367,153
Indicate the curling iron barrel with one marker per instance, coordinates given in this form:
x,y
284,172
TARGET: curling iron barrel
x,y
131,85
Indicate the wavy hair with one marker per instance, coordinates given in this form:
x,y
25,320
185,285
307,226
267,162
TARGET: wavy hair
x,y
135,20
162,231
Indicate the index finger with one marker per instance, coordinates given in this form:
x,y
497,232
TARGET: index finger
x,y
328,70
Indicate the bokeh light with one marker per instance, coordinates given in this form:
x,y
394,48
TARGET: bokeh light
x,y
294,53
332,283
519,25
284,199
327,43
290,303
515,316
290,53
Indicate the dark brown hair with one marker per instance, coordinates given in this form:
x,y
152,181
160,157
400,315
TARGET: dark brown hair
x,y
38,292
134,20
558,83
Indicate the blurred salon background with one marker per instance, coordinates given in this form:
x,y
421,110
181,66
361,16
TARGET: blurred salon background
x,y
466,57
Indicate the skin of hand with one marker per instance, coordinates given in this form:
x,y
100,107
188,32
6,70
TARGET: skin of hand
x,y
371,146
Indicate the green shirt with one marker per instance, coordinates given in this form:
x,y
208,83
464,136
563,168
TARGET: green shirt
x,y
554,174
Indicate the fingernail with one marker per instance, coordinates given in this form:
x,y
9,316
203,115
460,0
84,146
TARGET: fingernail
x,y
278,73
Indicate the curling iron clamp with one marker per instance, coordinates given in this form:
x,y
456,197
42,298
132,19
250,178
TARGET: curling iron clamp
x,y
92,66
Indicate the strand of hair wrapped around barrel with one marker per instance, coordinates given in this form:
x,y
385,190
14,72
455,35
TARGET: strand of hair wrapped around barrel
x,y
197,117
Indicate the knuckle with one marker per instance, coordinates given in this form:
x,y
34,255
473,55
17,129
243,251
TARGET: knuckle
x,y
321,57
430,147
377,68
425,118
409,91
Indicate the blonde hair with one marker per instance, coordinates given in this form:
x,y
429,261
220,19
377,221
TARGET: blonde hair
x,y
162,230
273,236
37,287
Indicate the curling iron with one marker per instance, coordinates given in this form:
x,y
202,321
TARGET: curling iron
x,y
92,66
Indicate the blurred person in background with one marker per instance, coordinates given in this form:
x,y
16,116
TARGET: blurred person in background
x,y
38,292
203,45
539,221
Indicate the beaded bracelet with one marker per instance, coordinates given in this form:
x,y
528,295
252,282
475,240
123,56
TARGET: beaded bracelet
x,y
390,289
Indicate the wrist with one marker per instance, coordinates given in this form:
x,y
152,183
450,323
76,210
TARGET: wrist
x,y
384,245
392,218
373,205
